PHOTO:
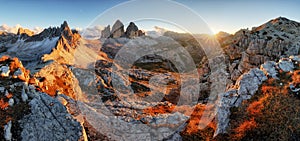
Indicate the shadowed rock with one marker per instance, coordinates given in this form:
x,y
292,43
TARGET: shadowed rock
x,y
117,30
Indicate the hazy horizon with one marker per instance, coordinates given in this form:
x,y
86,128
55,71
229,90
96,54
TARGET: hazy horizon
x,y
228,16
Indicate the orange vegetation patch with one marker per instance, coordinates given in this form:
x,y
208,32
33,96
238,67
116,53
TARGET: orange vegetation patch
x,y
4,58
159,109
272,113
256,107
272,86
194,121
192,129
296,77
3,104
15,64
195,132
9,96
163,109
244,127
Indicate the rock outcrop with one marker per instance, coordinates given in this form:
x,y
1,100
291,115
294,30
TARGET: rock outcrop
x,y
117,30
105,33
133,31
248,49
52,119
247,85
31,114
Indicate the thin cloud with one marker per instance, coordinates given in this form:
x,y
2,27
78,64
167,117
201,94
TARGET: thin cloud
x,y
9,29
14,29
91,32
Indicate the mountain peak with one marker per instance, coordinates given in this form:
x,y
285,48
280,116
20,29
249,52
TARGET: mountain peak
x,y
118,22
117,30
22,31
65,30
280,24
64,26
281,19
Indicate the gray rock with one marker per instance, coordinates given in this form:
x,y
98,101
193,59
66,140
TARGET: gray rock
x,y
117,30
4,71
286,65
295,58
294,89
24,95
246,86
131,30
227,100
6,93
269,69
105,33
248,83
11,102
17,73
7,131
49,119
2,89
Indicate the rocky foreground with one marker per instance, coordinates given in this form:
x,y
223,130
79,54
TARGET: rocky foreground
x,y
57,85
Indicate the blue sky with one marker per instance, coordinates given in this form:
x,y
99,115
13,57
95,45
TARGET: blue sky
x,y
225,15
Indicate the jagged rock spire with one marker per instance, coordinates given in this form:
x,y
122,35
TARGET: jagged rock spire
x,y
65,30
117,30
131,30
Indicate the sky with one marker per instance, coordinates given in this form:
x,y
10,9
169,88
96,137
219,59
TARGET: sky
x,y
218,15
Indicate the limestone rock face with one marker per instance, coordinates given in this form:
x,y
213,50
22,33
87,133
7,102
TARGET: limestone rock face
x,y
286,65
245,88
269,69
131,30
105,33
51,118
117,30
247,85
269,42
37,115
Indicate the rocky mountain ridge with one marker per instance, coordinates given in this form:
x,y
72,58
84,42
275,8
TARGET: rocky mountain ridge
x,y
248,49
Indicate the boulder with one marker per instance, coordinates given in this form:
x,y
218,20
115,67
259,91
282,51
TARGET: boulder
x,y
286,65
269,68
4,71
295,58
